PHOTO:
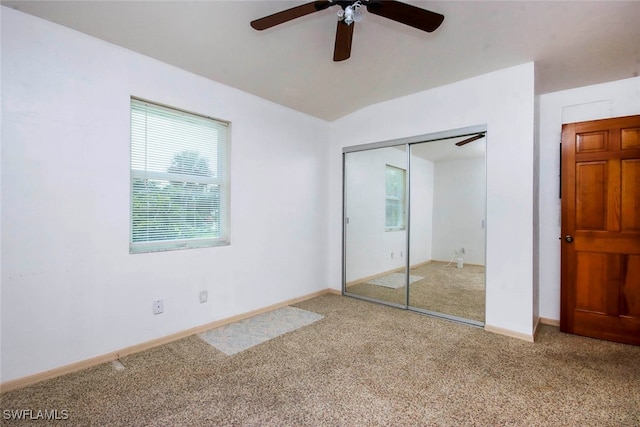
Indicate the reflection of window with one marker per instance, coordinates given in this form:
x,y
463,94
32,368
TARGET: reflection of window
x,y
179,179
394,201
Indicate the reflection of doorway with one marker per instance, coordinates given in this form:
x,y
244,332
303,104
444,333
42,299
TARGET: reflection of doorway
x,y
601,229
416,266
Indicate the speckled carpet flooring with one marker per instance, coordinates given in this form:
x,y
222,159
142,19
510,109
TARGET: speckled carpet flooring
x,y
440,288
363,364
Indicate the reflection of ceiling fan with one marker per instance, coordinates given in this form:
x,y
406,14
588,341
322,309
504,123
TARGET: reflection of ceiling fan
x,y
468,140
349,13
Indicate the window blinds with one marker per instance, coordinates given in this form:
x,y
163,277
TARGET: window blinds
x,y
179,179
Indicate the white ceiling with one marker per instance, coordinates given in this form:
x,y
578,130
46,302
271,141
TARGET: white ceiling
x,y
574,44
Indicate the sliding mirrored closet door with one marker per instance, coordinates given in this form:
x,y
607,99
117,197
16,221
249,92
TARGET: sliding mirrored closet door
x,y
447,230
414,225
375,224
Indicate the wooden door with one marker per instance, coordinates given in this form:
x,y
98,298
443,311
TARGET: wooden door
x,y
600,294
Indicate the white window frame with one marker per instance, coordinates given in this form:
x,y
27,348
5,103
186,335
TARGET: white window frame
x,y
398,197
220,179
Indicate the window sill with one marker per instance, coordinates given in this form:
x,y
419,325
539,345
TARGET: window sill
x,y
175,246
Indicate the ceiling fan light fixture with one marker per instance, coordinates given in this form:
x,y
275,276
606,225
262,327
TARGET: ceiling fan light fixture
x,y
351,13
348,15
357,16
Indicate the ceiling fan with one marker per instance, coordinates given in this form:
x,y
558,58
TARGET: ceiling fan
x,y
350,13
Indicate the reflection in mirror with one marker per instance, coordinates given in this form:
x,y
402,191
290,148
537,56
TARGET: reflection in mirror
x,y
375,224
447,233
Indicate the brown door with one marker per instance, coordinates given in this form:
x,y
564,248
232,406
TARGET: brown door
x,y
600,295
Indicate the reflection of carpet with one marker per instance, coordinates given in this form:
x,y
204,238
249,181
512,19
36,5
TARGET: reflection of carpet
x,y
450,290
239,336
394,280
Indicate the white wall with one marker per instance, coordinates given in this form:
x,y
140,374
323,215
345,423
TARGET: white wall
x,y
370,248
504,101
421,210
459,209
70,288
615,99
71,291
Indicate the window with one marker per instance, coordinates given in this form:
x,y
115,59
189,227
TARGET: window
x,y
179,179
394,201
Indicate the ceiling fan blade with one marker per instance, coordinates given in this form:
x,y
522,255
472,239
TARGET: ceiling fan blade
x,y
290,14
407,14
344,37
468,140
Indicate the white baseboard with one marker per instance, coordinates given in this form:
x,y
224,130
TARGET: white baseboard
x,y
550,322
509,333
114,355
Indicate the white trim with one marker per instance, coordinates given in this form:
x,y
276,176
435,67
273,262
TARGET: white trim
x,y
127,351
550,322
509,333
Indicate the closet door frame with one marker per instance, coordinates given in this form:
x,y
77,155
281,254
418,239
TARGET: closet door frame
x,y
407,142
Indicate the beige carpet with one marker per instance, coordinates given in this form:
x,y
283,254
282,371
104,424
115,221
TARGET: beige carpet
x,y
364,364
449,290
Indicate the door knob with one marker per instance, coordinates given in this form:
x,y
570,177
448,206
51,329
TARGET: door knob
x,y
568,238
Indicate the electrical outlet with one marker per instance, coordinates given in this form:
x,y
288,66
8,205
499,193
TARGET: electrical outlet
x,y
462,251
158,307
203,297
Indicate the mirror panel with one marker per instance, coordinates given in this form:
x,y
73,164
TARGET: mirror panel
x,y
447,256
375,224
